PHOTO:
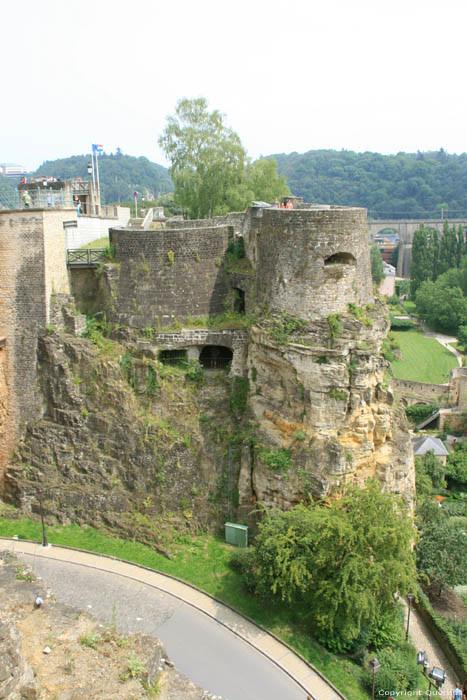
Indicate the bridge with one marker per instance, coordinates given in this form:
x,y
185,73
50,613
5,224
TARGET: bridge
x,y
406,229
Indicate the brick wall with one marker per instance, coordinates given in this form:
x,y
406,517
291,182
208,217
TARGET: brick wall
x,y
26,280
153,290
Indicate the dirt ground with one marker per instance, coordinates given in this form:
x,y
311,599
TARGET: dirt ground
x,y
73,657
448,603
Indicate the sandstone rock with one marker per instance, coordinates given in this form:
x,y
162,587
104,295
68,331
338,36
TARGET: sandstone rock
x,y
16,676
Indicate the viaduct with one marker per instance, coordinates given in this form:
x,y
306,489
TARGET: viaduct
x,y
406,229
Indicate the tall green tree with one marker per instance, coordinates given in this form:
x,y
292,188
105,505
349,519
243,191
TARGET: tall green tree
x,y
377,269
344,562
208,161
441,553
264,181
424,248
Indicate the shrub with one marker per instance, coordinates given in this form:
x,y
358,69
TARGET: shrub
x,y
402,324
243,560
398,672
418,412
335,325
277,460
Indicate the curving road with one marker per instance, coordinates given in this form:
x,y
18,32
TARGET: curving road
x,y
215,647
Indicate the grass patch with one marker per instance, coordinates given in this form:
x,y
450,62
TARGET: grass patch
x,y
423,359
98,243
203,560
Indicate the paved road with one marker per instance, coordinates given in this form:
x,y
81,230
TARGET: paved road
x,y
222,655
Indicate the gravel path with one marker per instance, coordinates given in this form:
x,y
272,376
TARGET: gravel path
x,y
423,641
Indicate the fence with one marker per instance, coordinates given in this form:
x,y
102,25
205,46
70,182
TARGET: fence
x,y
86,257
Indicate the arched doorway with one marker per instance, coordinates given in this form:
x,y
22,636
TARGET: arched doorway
x,y
215,357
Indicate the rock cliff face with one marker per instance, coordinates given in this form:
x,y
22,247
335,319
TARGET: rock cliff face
x,y
124,442
324,415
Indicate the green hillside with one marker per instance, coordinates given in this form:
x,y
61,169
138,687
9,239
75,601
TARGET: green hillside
x,y
395,186
120,175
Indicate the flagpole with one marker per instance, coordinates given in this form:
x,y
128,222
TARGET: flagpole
x,y
93,172
98,183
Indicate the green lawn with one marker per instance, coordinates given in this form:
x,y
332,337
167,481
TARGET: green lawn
x,y
423,359
98,243
203,561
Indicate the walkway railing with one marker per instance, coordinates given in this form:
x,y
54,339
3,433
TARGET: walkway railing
x,y
86,257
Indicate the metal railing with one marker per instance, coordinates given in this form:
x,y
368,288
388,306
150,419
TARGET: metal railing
x,y
86,257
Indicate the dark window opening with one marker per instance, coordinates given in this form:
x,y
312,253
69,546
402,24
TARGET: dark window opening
x,y
340,259
173,357
215,357
239,301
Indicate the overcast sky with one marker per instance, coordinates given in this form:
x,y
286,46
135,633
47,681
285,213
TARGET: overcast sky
x,y
294,75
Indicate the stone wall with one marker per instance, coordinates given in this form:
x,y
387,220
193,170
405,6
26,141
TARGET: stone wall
x,y
194,340
310,262
420,391
32,264
167,274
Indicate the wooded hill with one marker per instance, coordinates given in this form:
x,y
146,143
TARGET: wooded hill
x,y
120,175
412,185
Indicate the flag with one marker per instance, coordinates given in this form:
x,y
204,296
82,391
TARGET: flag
x,y
97,148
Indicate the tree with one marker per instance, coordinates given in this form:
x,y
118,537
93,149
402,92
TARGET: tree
x,y
264,181
456,466
441,553
430,473
208,161
422,267
344,562
442,307
462,336
377,269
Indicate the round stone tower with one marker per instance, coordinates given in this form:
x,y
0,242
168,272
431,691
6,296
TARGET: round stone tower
x,y
310,262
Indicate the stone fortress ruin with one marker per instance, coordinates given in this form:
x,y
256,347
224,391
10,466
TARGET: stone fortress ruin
x,y
317,411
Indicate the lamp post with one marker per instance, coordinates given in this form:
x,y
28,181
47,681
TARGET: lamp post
x,y
436,673
409,598
375,666
44,536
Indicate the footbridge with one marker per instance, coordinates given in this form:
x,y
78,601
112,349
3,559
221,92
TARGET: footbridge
x,y
406,229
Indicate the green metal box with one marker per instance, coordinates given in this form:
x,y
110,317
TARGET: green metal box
x,y
236,534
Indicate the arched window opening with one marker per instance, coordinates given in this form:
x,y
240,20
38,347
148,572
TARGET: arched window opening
x,y
239,301
173,357
215,357
341,259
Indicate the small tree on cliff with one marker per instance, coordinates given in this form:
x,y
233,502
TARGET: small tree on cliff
x,y
208,161
344,562
209,166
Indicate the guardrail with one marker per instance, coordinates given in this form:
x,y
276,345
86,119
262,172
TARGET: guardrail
x,y
86,257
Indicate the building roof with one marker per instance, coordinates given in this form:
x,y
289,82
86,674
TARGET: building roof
x,y
425,444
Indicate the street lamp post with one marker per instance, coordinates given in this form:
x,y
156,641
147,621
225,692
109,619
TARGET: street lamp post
x,y
436,673
409,598
375,666
44,536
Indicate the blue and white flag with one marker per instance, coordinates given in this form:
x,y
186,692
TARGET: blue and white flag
x,y
97,148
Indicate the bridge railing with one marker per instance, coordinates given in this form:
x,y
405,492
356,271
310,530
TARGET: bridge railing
x,y
86,257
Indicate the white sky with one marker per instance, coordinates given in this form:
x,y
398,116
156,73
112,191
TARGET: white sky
x,y
290,76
